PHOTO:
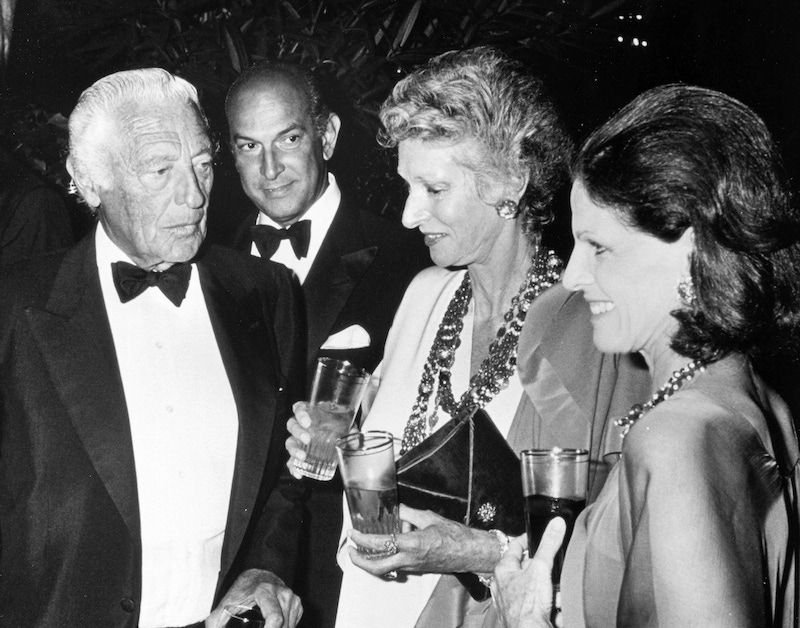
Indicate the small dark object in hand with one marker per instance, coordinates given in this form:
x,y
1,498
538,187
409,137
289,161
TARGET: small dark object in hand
x,y
250,618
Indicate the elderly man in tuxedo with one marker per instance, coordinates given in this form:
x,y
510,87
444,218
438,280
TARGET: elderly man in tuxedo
x,y
354,266
145,387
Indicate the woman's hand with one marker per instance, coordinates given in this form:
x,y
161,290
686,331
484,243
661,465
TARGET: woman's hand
x,y
523,587
298,428
437,545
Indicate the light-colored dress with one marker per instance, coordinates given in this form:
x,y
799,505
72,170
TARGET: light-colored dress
x,y
547,403
693,525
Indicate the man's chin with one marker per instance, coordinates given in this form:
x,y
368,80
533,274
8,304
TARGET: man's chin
x,y
282,213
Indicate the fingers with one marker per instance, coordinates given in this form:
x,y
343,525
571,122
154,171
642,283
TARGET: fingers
x,y
280,607
301,407
551,541
300,437
298,428
375,542
376,566
381,544
513,558
541,566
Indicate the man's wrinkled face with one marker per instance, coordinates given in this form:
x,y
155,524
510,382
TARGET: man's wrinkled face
x,y
280,155
161,171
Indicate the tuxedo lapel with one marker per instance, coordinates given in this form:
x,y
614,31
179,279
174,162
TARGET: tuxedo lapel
x,y
240,332
242,240
74,337
341,262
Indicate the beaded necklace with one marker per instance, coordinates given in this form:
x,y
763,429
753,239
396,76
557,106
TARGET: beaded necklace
x,y
498,366
674,383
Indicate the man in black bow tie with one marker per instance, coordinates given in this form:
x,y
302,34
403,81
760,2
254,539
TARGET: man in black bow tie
x,y
145,389
354,266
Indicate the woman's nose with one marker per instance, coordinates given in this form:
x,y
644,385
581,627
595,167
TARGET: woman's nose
x,y
576,275
413,213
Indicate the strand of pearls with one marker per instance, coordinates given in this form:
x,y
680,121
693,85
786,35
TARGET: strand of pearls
x,y
674,383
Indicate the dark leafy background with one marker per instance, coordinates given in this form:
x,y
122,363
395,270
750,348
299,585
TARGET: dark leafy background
x,y
594,55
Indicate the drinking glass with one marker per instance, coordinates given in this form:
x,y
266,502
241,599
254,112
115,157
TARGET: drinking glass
x,y
555,483
366,460
335,396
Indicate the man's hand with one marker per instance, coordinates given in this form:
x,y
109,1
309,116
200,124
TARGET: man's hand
x,y
523,588
280,607
300,436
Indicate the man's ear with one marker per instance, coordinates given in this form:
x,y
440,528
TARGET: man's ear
x,y
330,136
86,187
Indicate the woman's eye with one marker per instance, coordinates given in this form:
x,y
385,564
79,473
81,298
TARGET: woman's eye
x,y
598,248
434,191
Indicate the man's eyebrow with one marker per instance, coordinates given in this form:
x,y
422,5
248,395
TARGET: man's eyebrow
x,y
206,149
295,126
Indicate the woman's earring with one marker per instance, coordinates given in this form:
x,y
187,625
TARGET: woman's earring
x,y
686,293
507,209
72,188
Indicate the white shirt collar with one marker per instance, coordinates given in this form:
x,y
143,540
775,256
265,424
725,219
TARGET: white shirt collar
x,y
321,215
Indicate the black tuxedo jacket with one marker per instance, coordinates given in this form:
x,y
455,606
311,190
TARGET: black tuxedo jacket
x,y
69,520
358,277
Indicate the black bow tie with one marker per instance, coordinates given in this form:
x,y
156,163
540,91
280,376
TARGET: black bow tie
x,y
267,239
131,281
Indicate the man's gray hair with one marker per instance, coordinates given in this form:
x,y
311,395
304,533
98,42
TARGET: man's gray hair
x,y
102,105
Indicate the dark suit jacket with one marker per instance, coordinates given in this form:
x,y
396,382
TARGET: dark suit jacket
x,y
69,520
358,277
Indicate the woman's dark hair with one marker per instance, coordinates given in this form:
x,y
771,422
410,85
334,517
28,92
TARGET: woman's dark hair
x,y
680,156
484,95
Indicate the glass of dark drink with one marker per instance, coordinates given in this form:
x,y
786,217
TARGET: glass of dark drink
x,y
555,483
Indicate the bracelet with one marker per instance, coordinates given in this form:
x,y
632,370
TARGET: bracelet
x,y
503,539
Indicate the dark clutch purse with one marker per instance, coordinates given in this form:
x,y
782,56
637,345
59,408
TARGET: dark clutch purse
x,y
466,472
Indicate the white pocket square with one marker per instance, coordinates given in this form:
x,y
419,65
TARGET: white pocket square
x,y
353,337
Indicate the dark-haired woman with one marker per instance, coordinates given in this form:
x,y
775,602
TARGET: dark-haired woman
x,y
686,249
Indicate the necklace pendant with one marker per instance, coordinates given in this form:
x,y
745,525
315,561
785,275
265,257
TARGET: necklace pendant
x,y
433,419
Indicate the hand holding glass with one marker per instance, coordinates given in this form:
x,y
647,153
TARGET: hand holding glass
x,y
335,396
555,483
366,461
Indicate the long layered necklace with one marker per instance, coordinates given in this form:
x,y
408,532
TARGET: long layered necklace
x,y
674,383
498,366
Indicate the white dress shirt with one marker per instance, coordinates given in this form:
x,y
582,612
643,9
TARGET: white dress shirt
x,y
321,215
184,427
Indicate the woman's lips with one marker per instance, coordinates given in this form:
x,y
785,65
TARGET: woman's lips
x,y
432,238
